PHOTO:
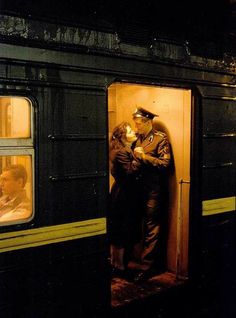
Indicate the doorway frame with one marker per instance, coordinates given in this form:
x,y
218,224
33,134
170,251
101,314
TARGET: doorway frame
x,y
195,203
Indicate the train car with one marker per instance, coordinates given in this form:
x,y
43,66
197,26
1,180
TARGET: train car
x,y
63,88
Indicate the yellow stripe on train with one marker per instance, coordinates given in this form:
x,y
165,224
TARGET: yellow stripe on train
x,y
51,234
216,206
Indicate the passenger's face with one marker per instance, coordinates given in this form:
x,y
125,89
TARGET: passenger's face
x,y
130,134
141,126
9,184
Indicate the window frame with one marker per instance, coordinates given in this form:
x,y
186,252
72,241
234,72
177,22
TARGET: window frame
x,y
21,147
20,141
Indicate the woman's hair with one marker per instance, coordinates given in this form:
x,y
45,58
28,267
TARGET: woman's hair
x,y
119,132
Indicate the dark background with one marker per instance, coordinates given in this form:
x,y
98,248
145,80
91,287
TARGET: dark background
x,y
208,26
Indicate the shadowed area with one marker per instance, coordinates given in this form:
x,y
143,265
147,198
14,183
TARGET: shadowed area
x,y
209,27
125,292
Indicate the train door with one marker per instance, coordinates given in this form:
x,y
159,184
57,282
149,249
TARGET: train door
x,y
174,109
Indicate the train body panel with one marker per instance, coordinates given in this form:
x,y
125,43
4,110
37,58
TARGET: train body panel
x,y
58,262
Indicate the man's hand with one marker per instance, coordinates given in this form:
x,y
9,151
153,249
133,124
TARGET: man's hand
x,y
139,152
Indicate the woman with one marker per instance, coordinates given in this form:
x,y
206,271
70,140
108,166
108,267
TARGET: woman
x,y
124,219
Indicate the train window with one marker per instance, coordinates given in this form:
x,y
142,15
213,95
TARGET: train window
x,y
16,161
15,121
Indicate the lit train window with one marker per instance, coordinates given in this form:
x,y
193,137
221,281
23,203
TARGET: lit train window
x,y
16,161
15,121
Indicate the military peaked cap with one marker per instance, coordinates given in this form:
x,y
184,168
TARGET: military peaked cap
x,y
141,112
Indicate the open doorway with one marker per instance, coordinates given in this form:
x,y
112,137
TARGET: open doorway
x,y
173,105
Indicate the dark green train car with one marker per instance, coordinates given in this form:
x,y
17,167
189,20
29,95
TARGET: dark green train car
x,y
62,90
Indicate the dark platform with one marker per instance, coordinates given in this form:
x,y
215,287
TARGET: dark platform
x,y
125,292
165,296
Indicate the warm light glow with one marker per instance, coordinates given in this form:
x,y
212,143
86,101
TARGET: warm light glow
x,y
15,117
15,188
174,109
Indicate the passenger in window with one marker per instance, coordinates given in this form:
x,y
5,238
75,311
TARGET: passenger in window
x,y
14,203
123,219
152,149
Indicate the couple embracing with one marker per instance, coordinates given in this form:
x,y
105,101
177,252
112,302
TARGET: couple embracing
x,y
138,165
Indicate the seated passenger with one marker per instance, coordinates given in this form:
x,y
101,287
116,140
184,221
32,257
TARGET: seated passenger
x,y
14,204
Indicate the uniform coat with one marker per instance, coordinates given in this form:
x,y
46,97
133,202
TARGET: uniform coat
x,y
151,186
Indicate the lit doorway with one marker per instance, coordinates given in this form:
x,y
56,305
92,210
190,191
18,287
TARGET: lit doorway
x,y
173,105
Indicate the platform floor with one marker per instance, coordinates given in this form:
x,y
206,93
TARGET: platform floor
x,y
164,296
125,292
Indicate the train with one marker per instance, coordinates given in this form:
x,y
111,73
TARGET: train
x,y
63,88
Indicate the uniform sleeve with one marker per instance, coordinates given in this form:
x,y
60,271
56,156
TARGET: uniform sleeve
x,y
163,157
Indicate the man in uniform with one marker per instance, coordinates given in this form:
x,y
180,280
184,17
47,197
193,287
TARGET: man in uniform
x,y
153,150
